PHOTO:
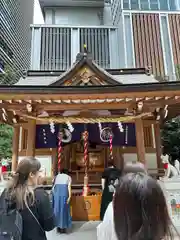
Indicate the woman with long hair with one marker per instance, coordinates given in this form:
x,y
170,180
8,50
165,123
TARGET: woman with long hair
x,y
106,228
32,202
140,210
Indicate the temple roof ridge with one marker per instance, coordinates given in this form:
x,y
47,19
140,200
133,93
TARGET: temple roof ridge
x,y
86,71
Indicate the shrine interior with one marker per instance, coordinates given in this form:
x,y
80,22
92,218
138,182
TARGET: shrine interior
x,y
100,150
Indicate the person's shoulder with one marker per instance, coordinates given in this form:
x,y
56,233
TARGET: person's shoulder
x,y
119,171
107,170
116,170
40,192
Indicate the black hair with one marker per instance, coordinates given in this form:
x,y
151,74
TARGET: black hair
x,y
140,210
65,171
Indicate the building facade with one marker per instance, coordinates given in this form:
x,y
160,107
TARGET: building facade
x,y
68,26
15,38
118,33
149,35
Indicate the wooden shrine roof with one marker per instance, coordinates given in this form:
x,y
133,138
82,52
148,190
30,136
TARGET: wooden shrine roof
x,y
152,88
86,72
87,90
114,98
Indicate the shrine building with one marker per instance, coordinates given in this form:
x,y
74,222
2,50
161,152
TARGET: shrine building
x,y
120,110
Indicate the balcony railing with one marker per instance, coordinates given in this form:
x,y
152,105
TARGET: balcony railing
x,y
71,3
55,47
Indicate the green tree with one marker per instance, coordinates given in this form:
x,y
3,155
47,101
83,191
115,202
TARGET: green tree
x,y
8,77
6,134
171,138
178,72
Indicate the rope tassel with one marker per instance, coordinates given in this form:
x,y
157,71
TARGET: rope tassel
x,y
85,136
59,151
111,147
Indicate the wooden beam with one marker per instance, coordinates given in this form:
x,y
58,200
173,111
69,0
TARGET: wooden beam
x,y
140,145
30,152
68,106
163,101
30,95
111,103
15,148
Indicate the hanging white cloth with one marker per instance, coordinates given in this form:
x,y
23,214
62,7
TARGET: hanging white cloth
x,y
105,230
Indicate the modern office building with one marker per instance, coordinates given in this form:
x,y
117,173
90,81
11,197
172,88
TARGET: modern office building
x,y
15,38
118,33
150,34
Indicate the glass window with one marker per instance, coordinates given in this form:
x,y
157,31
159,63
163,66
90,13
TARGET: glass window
x,y
5,48
164,4
134,4
173,4
1,65
126,4
154,5
167,47
144,4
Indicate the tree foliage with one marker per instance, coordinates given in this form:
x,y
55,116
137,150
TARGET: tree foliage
x,y
171,138
177,67
8,77
6,134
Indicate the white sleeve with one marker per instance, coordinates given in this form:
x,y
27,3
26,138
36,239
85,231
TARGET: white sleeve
x,y
105,229
69,180
104,232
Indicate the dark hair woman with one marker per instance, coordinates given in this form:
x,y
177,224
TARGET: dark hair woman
x,y
23,194
140,210
105,230
110,179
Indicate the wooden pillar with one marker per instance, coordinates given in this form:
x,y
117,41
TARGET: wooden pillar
x,y
140,145
15,148
157,136
30,152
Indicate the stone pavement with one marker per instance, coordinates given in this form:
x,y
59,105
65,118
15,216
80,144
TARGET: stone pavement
x,y
80,231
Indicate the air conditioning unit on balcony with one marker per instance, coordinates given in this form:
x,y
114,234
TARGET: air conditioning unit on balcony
x,y
74,3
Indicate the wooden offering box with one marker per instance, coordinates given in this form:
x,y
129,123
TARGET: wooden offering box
x,y
86,208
